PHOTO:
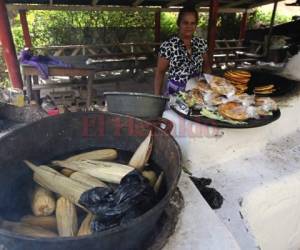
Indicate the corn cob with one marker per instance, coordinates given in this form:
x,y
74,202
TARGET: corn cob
x,y
66,218
106,171
151,176
67,172
46,222
85,228
56,182
142,154
87,180
26,229
43,202
100,154
158,182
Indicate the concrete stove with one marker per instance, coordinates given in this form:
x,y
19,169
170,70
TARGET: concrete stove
x,y
258,173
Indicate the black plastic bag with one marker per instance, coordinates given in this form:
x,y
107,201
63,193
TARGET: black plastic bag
x,y
133,197
211,195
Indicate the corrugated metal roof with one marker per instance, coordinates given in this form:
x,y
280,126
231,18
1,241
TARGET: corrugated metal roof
x,y
242,4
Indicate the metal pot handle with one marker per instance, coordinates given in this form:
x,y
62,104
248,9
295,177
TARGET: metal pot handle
x,y
167,123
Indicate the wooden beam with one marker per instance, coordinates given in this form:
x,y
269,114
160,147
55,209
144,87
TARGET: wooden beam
x,y
84,7
9,50
175,2
137,3
225,10
237,3
157,27
263,3
243,26
268,43
25,29
212,30
109,8
233,10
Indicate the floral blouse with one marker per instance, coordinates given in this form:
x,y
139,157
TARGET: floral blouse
x,y
182,65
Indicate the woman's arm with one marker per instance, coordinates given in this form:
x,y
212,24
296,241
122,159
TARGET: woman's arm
x,y
206,66
161,69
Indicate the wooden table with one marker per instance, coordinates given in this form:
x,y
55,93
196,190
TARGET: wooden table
x,y
80,68
31,74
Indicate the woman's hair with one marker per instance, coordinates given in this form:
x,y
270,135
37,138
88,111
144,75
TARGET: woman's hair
x,y
184,10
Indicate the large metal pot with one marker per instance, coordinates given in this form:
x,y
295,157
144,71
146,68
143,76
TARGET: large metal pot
x,y
52,137
145,106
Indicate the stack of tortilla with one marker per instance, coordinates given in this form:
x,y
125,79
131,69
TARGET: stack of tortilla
x,y
264,90
239,79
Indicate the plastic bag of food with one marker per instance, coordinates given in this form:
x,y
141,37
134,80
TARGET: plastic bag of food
x,y
178,102
244,99
194,97
266,103
234,111
220,85
203,86
265,106
211,98
252,112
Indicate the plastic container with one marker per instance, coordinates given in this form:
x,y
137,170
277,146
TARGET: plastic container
x,y
13,96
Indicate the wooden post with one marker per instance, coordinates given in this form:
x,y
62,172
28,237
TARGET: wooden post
x,y
157,30
157,27
268,41
25,29
243,26
9,51
212,29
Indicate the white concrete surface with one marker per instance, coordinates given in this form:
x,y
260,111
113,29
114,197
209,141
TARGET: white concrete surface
x,y
198,226
256,170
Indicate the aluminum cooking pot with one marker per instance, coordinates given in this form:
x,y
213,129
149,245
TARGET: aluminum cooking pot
x,y
52,137
145,106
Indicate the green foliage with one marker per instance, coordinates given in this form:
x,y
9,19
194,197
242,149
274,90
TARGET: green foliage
x,y
262,18
86,27
168,25
75,27
3,74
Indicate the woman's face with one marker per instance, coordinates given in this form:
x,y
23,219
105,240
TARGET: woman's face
x,y
188,25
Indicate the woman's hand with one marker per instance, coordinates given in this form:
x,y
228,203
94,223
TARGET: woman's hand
x,y
162,67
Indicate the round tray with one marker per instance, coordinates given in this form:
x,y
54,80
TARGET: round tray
x,y
251,123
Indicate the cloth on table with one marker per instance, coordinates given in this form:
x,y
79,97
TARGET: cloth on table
x,y
40,62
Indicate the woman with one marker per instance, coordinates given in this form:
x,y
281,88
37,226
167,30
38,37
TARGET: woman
x,y
182,55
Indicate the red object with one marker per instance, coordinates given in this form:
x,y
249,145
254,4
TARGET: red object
x,y
24,23
243,26
212,29
53,112
9,51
